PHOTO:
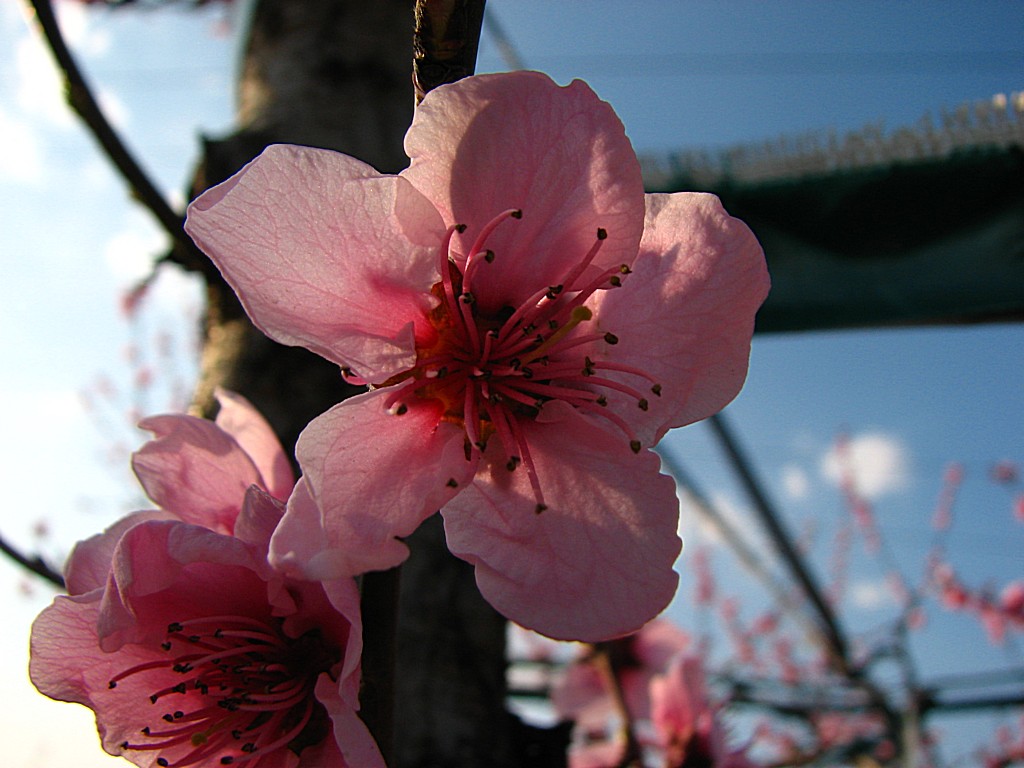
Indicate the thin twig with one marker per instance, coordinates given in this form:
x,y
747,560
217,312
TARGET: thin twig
x,y
35,564
81,99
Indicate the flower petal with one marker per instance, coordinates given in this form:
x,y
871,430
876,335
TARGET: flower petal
x,y
597,563
350,733
686,313
89,562
376,476
492,143
325,253
195,470
242,421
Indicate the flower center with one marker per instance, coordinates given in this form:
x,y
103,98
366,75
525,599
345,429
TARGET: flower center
x,y
243,690
493,371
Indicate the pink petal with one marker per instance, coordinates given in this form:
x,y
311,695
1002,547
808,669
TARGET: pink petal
x,y
66,664
686,313
242,421
376,476
165,570
195,470
299,547
325,253
350,733
260,515
491,143
597,563
89,562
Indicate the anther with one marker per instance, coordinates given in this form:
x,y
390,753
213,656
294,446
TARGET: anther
x,y
513,462
611,338
634,445
517,214
643,404
452,483
174,627
460,228
615,280
602,233
656,389
466,298
402,409
489,256
539,508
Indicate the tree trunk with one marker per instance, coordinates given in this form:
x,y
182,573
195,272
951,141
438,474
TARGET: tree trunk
x,y
337,74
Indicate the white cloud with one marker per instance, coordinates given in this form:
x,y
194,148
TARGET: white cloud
x,y
21,161
130,254
879,464
872,595
795,482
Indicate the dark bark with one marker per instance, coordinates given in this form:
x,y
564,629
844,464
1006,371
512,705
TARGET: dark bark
x,y
337,74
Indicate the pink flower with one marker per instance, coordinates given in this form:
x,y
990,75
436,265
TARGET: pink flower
x,y
582,694
531,323
189,647
686,723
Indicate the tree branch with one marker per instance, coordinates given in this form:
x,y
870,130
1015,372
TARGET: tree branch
x,y
35,564
445,42
81,99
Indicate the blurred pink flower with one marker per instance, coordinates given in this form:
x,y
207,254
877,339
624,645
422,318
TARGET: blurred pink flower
x,y
531,323
189,647
687,724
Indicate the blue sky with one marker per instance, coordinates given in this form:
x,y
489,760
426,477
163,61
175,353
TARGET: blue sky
x,y
680,75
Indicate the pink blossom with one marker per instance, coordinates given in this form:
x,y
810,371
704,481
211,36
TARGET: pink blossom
x,y
530,322
687,723
189,647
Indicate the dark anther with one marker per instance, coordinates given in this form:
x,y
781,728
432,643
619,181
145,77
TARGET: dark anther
x,y
145,730
553,325
539,508
402,409
227,760
249,747
489,256
614,280
162,762
624,269
602,233
193,638
452,483
602,401
236,734
166,646
124,745
467,298
611,338
634,446
512,463
174,627
178,715
460,228
517,214
168,718
179,688
527,372
656,389
442,371
514,363
153,698
218,633
182,668
644,405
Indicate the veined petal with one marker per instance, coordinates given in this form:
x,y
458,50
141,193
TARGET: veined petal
x,y
686,314
491,143
325,253
376,475
195,470
89,562
242,421
597,563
